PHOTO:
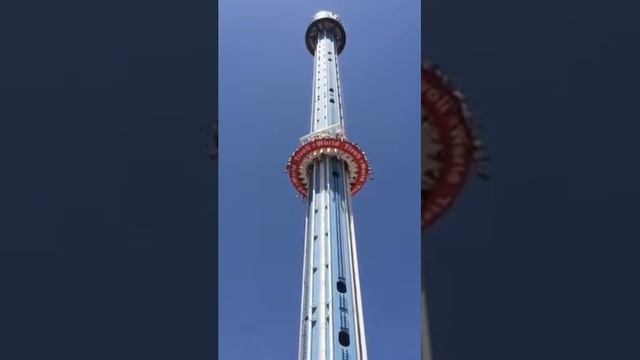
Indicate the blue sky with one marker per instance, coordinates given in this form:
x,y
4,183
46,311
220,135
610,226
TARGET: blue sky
x,y
265,75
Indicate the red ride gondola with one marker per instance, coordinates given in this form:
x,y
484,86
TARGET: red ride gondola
x,y
449,145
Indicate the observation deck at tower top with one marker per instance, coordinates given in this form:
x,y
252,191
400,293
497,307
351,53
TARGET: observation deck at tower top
x,y
325,20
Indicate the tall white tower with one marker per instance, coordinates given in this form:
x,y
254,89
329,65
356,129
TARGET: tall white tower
x,y
327,170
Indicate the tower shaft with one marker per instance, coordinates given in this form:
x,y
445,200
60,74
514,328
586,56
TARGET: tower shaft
x,y
332,325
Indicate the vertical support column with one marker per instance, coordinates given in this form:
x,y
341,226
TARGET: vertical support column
x,y
331,326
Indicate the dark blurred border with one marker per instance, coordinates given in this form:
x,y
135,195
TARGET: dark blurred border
x,y
108,221
549,268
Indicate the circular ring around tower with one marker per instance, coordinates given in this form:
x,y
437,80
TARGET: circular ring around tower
x,y
357,165
325,20
448,144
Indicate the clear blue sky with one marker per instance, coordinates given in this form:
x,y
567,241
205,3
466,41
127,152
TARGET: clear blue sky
x,y
265,77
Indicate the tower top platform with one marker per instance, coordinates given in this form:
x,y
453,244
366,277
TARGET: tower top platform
x,y
325,20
